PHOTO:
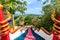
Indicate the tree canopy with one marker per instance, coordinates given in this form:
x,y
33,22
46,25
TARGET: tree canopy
x,y
14,5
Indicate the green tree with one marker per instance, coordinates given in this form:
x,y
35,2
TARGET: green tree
x,y
36,21
14,5
20,18
28,19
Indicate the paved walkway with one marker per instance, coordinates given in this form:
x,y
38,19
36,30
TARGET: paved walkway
x,y
29,35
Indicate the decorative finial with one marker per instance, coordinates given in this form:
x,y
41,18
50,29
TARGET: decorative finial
x,y
1,6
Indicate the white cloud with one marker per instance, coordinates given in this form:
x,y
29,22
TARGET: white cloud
x,y
38,8
34,10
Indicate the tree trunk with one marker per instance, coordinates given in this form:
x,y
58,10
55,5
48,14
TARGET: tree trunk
x,y
12,21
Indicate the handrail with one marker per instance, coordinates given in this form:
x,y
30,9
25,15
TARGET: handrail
x,y
49,33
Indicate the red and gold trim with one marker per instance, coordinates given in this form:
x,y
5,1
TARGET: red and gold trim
x,y
56,25
53,17
45,31
4,29
9,17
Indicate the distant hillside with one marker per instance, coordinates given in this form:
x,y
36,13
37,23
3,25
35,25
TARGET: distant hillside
x,y
17,16
27,14
32,14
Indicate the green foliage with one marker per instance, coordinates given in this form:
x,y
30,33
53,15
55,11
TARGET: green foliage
x,y
22,18
39,23
55,3
33,20
17,23
14,5
48,9
28,19
47,23
36,21
46,20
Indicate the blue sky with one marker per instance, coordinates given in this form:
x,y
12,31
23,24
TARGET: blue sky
x,y
34,7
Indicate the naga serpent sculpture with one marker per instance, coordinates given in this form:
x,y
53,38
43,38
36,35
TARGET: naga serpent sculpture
x,y
4,25
56,26
4,28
